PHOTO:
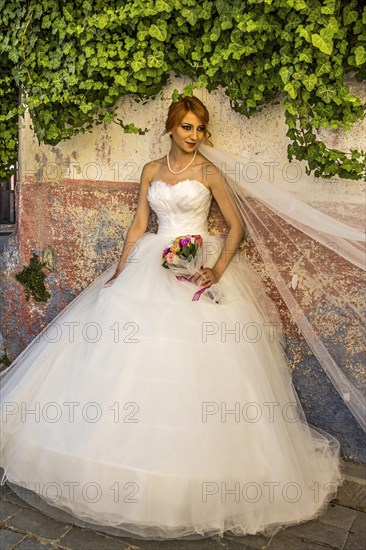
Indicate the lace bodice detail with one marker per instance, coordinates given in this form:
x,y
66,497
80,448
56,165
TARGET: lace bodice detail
x,y
184,205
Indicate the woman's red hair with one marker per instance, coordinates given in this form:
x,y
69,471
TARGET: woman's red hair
x,y
178,109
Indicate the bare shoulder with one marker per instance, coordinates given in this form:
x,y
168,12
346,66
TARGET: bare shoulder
x,y
150,169
211,174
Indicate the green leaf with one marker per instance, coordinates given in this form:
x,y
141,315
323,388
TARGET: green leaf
x,y
300,5
159,32
215,31
349,15
292,88
285,73
206,11
329,7
304,33
190,15
286,58
324,43
332,26
305,55
310,82
156,60
290,107
323,68
175,95
251,25
183,46
360,55
326,93
139,61
188,90
202,81
162,5
287,36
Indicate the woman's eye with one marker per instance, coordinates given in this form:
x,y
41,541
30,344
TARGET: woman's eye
x,y
199,129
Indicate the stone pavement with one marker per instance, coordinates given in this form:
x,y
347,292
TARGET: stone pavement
x,y
24,528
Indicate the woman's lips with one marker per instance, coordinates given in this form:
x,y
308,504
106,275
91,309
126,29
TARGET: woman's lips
x,y
190,144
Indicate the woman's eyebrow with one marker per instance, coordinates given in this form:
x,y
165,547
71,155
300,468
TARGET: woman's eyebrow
x,y
188,124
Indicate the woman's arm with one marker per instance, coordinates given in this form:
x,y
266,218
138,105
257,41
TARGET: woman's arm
x,y
139,222
236,228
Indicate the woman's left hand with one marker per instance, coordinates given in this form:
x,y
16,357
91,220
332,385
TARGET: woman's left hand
x,y
205,277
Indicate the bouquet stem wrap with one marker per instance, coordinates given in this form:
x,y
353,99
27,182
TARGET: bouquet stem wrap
x,y
183,257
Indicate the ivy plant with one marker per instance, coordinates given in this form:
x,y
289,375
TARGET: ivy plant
x,y
72,60
32,278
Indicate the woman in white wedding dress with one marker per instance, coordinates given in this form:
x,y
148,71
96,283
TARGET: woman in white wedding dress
x,y
144,413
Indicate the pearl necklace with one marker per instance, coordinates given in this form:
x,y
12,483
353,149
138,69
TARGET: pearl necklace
x,y
180,171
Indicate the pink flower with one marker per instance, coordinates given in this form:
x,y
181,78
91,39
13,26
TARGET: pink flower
x,y
170,258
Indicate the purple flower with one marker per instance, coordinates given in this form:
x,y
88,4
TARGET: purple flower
x,y
184,242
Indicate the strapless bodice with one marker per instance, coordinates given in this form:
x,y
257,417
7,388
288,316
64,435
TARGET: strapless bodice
x,y
182,207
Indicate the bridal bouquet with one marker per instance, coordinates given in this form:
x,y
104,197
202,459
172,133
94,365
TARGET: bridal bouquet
x,y
184,258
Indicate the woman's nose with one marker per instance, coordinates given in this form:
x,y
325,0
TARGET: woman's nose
x,y
194,133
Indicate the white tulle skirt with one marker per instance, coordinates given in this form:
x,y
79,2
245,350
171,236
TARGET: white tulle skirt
x,y
144,413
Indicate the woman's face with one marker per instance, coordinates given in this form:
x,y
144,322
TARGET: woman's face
x,y
189,133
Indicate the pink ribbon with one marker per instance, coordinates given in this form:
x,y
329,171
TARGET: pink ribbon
x,y
197,295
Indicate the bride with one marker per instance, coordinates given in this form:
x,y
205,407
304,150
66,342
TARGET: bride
x,y
148,414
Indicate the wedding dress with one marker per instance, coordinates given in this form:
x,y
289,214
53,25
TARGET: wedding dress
x,y
140,411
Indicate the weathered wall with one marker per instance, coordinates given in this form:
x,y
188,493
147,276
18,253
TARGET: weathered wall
x,y
75,202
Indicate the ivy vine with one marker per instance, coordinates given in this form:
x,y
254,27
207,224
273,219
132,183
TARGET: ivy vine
x,y
4,362
72,60
32,278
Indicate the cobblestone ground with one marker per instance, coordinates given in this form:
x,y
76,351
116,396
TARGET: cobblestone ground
x,y
24,528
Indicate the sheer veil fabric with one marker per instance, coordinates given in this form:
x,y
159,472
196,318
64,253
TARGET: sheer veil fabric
x,y
317,263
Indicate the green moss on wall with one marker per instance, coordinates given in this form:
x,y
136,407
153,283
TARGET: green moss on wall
x,y
32,278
